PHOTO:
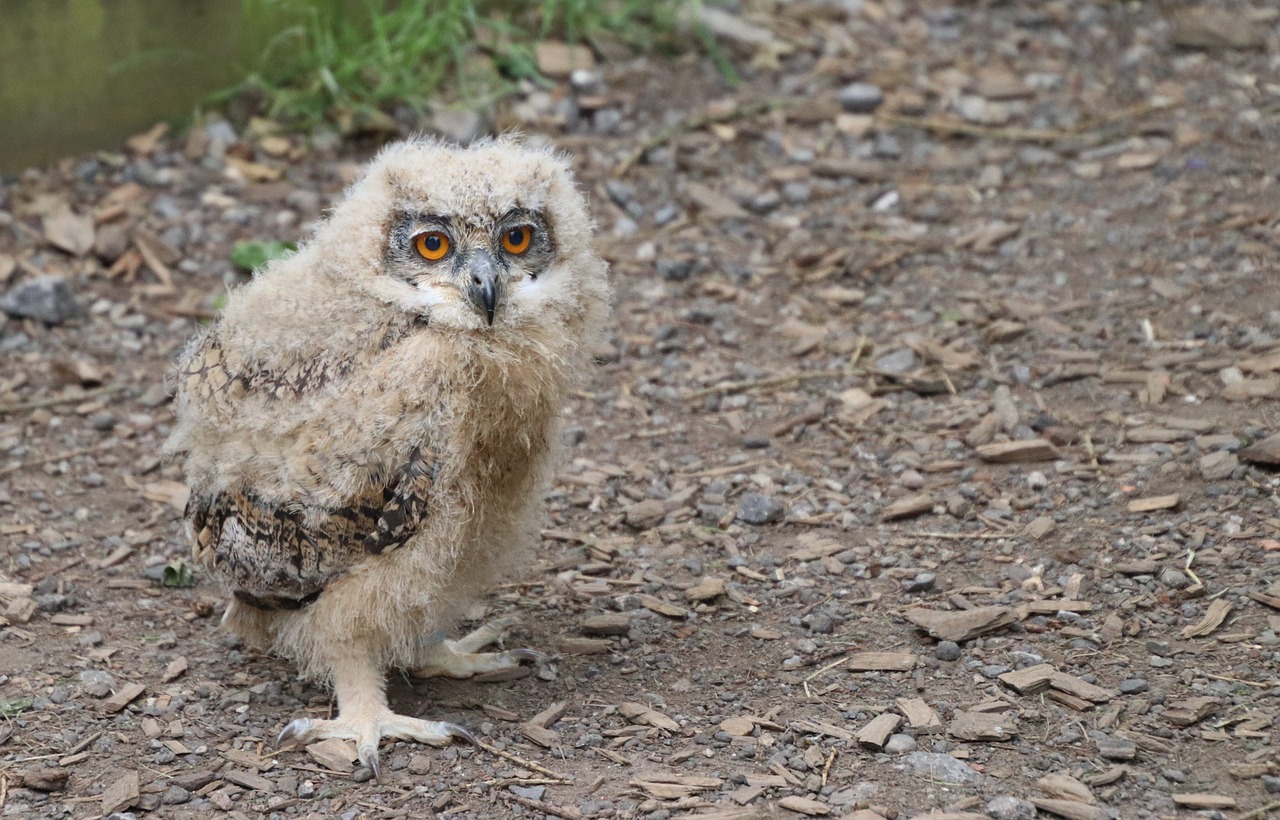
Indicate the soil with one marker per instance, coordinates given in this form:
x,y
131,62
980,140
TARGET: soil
x,y
970,378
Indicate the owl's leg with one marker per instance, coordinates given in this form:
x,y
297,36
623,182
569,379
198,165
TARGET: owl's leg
x,y
363,715
462,659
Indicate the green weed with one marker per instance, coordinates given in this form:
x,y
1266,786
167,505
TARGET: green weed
x,y
353,61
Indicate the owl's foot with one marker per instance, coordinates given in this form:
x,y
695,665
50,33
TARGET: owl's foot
x,y
462,658
368,727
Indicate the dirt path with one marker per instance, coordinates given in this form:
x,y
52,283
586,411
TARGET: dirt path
x,y
914,479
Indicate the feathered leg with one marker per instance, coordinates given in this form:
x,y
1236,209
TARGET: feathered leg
x,y
363,715
462,658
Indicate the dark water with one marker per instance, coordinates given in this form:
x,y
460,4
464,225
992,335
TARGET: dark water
x,y
82,75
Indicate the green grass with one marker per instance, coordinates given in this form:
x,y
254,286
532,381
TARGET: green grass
x,y
353,61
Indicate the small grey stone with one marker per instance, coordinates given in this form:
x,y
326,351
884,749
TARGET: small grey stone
x,y
48,299
819,623
530,792
362,774
606,120
947,651
306,789
921,583
757,508
900,744
1133,686
860,98
176,795
1218,465
939,767
1271,783
1008,807
897,362
677,269
1173,579
53,602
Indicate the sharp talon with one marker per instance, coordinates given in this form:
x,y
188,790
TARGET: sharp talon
x,y
369,757
454,730
528,655
294,729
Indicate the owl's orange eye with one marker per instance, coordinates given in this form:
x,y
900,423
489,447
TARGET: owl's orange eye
x,y
432,245
517,240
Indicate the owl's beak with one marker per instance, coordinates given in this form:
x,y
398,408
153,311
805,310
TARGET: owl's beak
x,y
484,288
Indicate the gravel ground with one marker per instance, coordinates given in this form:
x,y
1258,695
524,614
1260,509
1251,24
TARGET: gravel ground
x,y
925,474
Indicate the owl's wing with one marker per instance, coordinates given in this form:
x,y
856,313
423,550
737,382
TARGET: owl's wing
x,y
283,555
219,378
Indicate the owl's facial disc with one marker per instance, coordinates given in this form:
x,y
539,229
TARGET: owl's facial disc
x,y
466,267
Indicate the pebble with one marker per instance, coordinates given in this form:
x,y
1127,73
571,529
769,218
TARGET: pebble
x,y
1271,783
947,651
757,508
1008,807
531,792
898,362
1218,465
939,767
1133,686
921,583
97,683
47,299
900,744
860,98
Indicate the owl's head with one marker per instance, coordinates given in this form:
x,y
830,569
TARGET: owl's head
x,y
480,239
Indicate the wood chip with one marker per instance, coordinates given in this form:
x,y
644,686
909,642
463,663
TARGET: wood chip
x,y
804,805
1016,452
546,738
821,727
738,726
334,754
675,786
876,733
1199,800
1218,611
610,623
176,668
1065,787
122,792
1070,809
69,231
248,780
706,589
1039,527
1058,605
1188,711
1155,502
8,589
881,662
584,646
909,507
983,726
123,697
1037,678
538,728
962,625
1265,451
714,204
920,715
643,715
656,604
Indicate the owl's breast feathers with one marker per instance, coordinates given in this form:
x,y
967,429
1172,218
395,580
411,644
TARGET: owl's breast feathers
x,y
282,555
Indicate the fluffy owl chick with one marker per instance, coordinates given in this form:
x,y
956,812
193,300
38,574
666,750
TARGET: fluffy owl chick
x,y
368,429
